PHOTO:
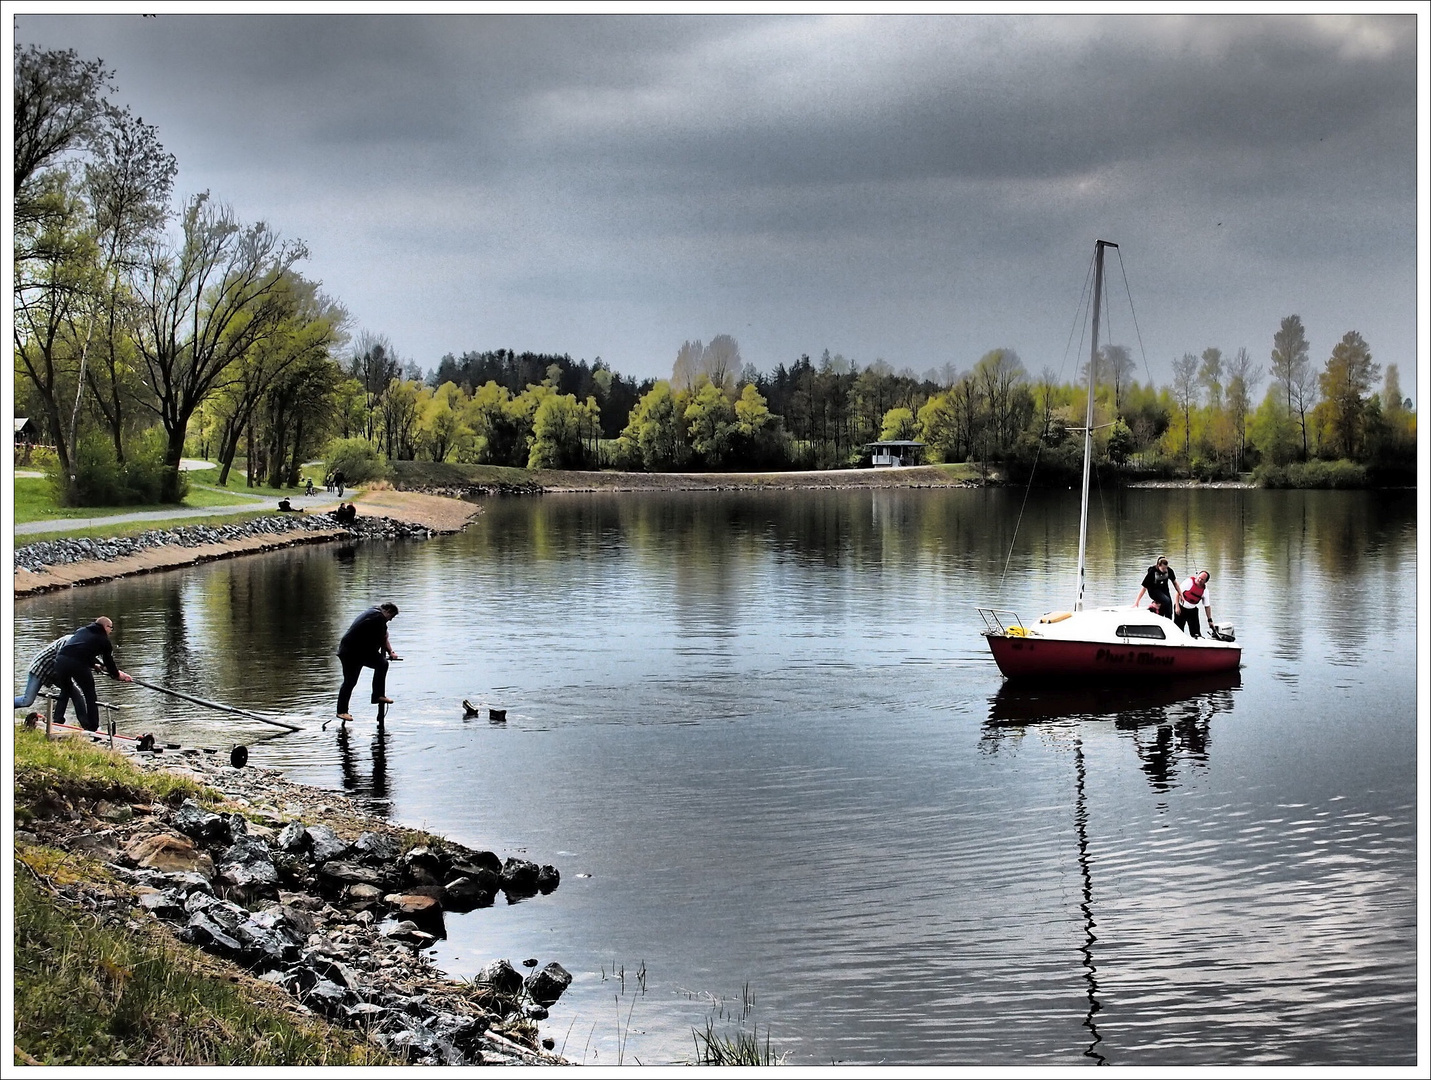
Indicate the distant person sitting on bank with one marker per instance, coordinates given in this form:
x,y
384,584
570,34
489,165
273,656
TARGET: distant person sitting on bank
x,y
41,673
1194,592
1156,582
74,671
366,644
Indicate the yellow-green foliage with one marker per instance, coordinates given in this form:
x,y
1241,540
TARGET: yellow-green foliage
x,y
87,993
74,765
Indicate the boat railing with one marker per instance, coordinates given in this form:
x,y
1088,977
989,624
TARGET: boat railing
x,y
997,621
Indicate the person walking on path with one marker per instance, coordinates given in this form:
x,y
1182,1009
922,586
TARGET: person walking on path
x,y
41,673
74,670
366,644
1156,582
338,481
1194,592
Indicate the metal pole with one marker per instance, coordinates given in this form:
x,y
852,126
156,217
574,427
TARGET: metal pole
x,y
216,705
1088,429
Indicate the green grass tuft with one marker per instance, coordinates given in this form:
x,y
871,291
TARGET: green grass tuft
x,y
92,993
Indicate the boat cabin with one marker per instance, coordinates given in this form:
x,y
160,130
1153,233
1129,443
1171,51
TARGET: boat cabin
x,y
895,452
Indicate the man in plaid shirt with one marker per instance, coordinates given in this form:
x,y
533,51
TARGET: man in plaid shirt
x,y
42,672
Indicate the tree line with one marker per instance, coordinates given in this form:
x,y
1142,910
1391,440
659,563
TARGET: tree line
x,y
145,331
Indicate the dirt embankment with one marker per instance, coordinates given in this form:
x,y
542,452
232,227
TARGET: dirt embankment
x,y
431,512
492,480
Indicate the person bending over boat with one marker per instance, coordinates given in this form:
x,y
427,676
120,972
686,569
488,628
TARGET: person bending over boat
x,y
366,644
1194,592
41,673
74,671
1156,582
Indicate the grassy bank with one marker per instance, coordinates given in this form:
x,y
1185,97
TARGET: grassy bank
x,y
97,983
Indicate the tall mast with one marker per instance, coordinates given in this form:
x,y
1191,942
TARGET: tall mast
x,y
1099,245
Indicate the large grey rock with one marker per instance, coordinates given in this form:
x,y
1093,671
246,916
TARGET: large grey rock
x,y
292,838
326,844
341,874
423,866
500,977
474,862
548,878
374,847
246,872
519,878
547,985
193,820
468,892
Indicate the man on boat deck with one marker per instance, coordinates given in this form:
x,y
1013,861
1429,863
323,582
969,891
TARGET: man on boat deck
x,y
366,644
1194,592
74,671
1156,582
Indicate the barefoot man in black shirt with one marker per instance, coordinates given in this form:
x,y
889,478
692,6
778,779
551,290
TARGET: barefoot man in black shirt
x,y
366,644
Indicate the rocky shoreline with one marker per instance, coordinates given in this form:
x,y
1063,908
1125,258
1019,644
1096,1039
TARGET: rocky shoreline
x,y
45,565
303,889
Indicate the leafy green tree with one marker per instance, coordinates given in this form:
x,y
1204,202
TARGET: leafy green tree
x,y
442,424
61,102
1273,430
899,423
559,427
655,437
55,274
1344,384
710,423
1120,442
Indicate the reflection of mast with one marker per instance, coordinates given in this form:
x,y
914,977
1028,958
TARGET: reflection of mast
x,y
1090,975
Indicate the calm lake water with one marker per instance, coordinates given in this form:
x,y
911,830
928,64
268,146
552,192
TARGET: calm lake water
x,y
764,743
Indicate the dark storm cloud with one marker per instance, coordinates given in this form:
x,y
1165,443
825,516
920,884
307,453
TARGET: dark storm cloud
x,y
915,188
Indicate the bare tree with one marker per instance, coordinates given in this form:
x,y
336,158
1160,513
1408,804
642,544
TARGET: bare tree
x,y
1292,369
688,365
721,361
204,306
1210,375
375,364
128,181
1243,378
1185,394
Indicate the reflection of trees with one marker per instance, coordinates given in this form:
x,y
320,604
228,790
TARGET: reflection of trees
x,y
277,617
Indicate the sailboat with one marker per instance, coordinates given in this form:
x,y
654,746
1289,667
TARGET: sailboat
x,y
1114,644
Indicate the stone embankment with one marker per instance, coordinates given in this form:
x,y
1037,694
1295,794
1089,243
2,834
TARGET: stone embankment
x,y
302,889
387,515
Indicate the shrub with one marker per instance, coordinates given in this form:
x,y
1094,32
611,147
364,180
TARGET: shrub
x,y
358,459
100,480
1340,474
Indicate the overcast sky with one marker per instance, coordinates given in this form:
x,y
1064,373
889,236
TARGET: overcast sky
x,y
918,190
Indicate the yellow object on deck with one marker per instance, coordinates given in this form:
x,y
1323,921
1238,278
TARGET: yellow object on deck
x,y
1017,631
1055,616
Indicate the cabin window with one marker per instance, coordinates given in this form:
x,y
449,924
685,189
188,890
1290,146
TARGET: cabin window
x,y
1153,633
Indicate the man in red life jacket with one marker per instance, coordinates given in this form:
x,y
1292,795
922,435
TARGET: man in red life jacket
x,y
1194,592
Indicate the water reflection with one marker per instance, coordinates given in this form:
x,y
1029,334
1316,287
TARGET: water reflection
x,y
1085,905
369,785
1168,724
